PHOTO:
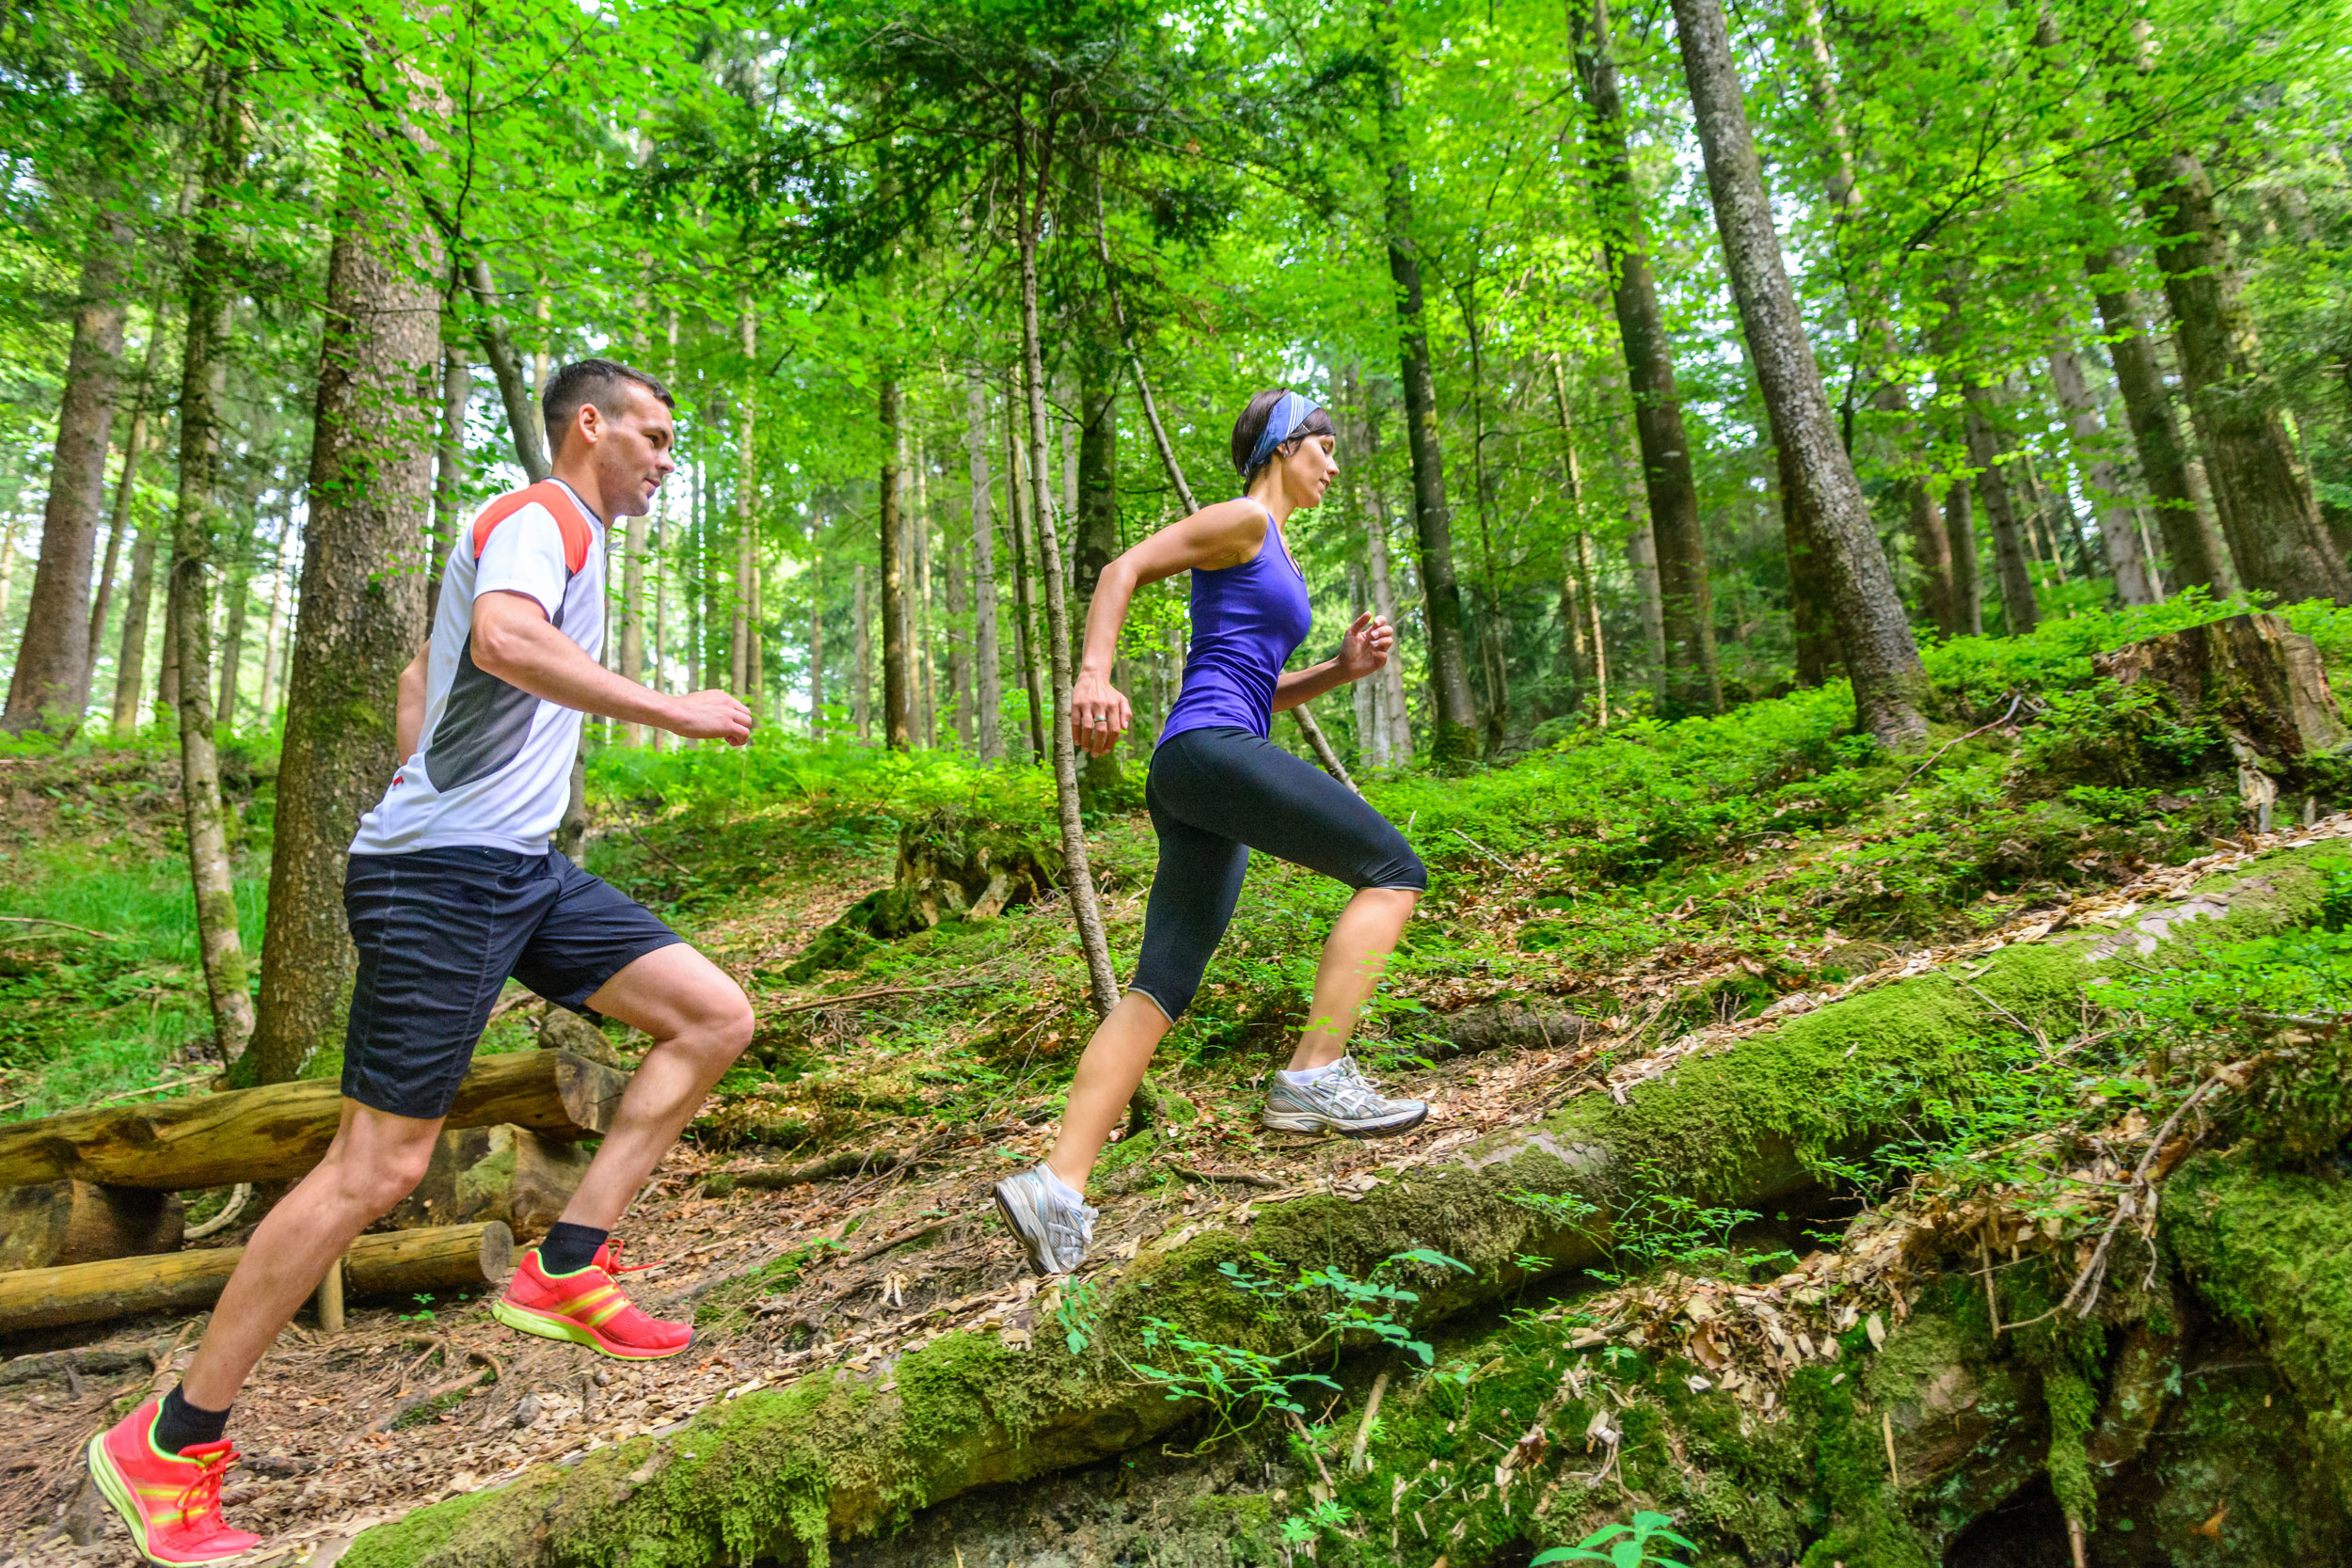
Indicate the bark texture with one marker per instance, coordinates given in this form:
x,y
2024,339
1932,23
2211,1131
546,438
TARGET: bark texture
x,y
361,613
1882,657
2019,612
47,688
131,661
1959,528
1694,682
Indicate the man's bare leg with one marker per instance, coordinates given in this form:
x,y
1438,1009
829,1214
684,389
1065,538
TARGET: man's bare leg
x,y
376,1160
700,1021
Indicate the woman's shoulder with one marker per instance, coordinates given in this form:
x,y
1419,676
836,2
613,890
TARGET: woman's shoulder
x,y
1235,529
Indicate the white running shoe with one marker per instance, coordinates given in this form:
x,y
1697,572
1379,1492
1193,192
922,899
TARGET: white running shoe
x,y
1053,1230
1343,1099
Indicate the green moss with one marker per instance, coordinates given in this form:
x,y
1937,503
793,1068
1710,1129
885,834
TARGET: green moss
x,y
2272,1252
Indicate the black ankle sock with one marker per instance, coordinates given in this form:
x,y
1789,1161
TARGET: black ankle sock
x,y
180,1425
569,1248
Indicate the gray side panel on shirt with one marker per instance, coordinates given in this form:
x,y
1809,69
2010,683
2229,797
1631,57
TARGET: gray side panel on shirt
x,y
482,726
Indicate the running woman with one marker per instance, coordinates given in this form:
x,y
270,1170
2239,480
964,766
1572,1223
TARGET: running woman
x,y
453,888
1220,788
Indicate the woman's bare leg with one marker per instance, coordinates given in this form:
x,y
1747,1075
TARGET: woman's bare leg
x,y
1113,1064
1353,962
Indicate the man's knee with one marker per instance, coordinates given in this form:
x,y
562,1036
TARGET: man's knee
x,y
721,1018
375,1180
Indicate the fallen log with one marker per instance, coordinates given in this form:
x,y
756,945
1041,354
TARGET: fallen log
x,y
54,1224
279,1131
509,1174
388,1264
845,1450
2253,674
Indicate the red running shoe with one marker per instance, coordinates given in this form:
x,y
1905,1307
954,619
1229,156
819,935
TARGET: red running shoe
x,y
170,1501
587,1308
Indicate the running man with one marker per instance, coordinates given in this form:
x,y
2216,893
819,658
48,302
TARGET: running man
x,y
453,888
1220,788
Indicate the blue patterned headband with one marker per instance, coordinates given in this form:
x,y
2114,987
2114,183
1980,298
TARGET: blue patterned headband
x,y
1290,412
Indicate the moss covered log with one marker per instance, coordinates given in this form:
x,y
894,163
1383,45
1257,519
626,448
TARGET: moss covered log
x,y
844,1452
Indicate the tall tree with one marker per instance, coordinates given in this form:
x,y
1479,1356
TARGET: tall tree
x,y
126,490
987,691
2019,612
1693,681
1454,722
374,443
2118,532
203,363
47,686
897,667
1881,655
2261,489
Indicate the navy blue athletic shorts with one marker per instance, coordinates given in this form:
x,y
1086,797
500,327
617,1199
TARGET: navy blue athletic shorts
x,y
439,933
1216,793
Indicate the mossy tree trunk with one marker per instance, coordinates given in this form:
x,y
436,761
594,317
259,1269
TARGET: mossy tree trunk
x,y
843,1454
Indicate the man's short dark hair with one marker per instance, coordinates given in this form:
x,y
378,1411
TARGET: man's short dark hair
x,y
588,381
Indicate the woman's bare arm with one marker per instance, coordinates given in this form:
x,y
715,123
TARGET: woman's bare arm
x,y
1212,538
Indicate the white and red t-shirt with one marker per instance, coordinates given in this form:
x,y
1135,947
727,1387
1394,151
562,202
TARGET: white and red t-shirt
x,y
494,763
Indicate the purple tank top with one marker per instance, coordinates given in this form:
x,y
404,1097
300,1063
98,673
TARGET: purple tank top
x,y
1247,622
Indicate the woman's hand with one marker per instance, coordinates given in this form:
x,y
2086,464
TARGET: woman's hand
x,y
1098,715
1366,647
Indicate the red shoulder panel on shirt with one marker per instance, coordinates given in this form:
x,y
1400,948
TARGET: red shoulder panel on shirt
x,y
560,505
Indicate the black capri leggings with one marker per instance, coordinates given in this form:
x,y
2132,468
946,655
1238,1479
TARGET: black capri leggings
x,y
1215,795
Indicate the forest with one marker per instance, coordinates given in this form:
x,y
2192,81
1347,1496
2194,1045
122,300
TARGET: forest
x,y
1865,494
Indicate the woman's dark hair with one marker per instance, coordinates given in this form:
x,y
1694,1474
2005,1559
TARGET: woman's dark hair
x,y
1252,424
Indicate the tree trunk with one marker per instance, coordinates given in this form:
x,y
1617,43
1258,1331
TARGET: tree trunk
x,y
1078,868
1812,634
1694,680
1881,655
1641,557
860,610
1960,529
2260,490
898,702
921,627
361,613
47,690
273,657
815,634
449,472
126,490
523,423
205,364
1026,650
236,602
988,686
632,655
1454,724
2163,455
1094,542
1939,596
2119,536
1390,682
131,661
2019,612
955,585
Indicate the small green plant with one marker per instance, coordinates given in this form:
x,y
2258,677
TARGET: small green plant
x,y
1623,1545
1229,1377
423,1314
1076,1311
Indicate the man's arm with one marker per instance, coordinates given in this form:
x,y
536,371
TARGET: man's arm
x,y
408,713
514,641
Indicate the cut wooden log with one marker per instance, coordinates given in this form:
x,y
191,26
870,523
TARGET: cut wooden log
x,y
54,1224
390,1264
1494,1024
510,1174
276,1133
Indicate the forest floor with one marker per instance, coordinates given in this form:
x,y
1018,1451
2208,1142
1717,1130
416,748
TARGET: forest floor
x,y
1617,943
